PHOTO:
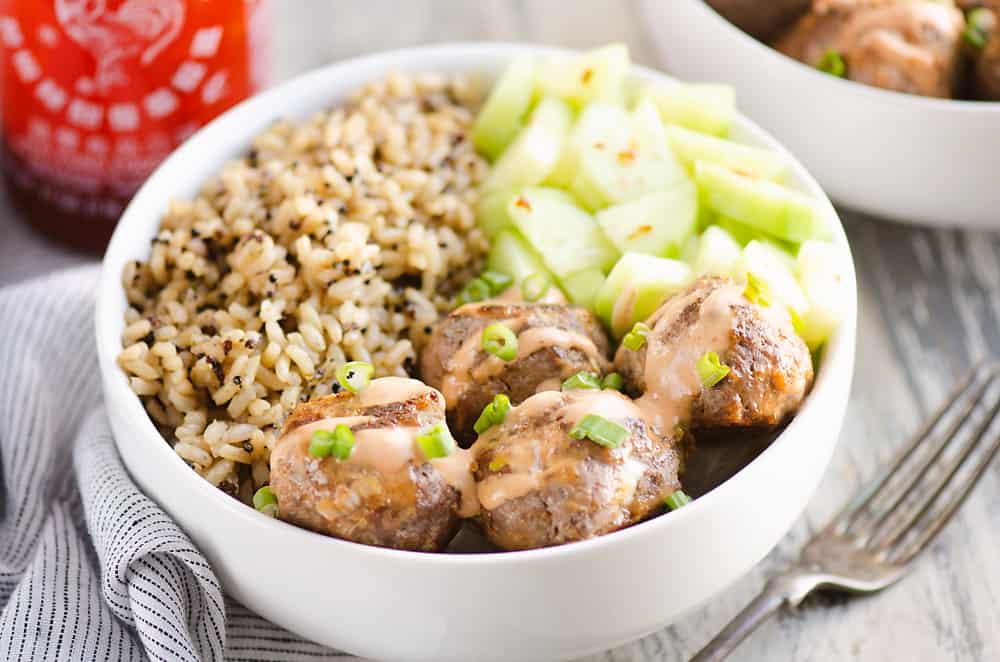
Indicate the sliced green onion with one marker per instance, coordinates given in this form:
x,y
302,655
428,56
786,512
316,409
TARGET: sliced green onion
x,y
343,442
265,501
582,380
355,375
832,63
977,28
677,499
436,442
493,414
636,338
476,289
321,443
711,371
497,282
613,381
757,291
500,341
600,430
534,287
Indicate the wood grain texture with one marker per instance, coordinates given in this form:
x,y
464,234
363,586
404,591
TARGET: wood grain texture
x,y
930,307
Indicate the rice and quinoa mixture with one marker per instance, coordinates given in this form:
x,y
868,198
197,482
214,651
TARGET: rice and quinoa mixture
x,y
339,238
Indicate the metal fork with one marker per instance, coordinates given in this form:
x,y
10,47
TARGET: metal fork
x,y
872,542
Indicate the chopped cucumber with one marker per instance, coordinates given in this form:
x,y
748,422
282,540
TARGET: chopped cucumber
x,y
598,75
771,266
567,237
766,206
741,232
535,151
512,255
582,287
823,273
501,117
598,124
491,210
609,177
704,107
648,129
656,224
691,146
636,287
716,253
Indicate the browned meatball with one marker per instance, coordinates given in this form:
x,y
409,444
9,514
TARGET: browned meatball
x,y
911,46
554,343
770,369
538,486
385,493
763,20
986,81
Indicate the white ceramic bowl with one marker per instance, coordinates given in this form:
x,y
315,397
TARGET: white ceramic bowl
x,y
546,604
898,156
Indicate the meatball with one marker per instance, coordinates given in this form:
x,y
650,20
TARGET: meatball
x,y
385,492
986,81
763,20
554,343
539,486
911,46
770,368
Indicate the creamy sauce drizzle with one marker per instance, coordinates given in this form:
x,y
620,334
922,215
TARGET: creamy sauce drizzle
x,y
386,390
526,459
670,371
621,313
463,367
391,449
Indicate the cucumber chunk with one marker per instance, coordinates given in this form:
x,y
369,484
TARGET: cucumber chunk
x,y
716,253
691,146
741,232
535,150
491,210
704,107
648,129
512,255
598,75
598,124
763,205
567,237
582,287
771,265
636,287
823,273
613,171
656,224
502,116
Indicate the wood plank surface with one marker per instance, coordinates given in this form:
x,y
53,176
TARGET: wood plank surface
x,y
930,307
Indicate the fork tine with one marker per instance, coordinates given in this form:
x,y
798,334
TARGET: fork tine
x,y
934,527
846,517
875,528
903,526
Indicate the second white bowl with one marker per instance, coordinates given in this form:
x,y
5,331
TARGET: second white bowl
x,y
899,156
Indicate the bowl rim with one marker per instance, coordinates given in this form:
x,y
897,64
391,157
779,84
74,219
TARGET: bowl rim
x,y
109,322
974,106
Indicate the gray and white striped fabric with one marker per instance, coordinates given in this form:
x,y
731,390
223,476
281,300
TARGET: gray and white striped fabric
x,y
91,569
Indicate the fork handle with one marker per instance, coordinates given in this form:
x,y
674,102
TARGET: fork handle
x,y
785,589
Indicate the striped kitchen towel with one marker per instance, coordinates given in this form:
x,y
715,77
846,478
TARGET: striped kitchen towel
x,y
91,569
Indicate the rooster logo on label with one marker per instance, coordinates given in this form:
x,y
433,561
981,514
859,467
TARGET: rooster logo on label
x,y
136,30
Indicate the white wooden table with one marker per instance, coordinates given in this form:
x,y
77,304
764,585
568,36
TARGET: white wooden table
x,y
930,307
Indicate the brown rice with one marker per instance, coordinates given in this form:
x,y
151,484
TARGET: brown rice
x,y
339,238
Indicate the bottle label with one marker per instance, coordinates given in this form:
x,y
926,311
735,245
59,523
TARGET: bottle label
x,y
97,92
